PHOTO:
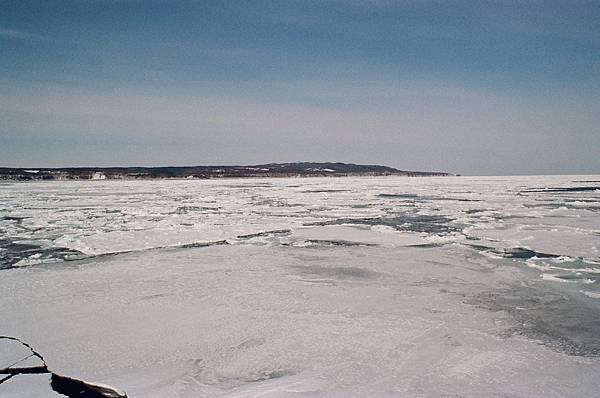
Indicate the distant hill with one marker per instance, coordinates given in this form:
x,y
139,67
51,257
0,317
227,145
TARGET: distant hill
x,y
302,169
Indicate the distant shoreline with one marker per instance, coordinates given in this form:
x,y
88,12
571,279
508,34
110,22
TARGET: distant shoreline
x,y
271,170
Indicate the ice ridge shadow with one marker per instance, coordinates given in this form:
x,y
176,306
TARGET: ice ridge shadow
x,y
562,323
564,189
13,252
431,224
340,273
411,196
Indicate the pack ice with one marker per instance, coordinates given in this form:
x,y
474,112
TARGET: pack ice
x,y
304,287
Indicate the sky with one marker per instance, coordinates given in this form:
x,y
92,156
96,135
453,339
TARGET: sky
x,y
469,87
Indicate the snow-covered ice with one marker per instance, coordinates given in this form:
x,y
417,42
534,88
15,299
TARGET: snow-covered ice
x,y
381,286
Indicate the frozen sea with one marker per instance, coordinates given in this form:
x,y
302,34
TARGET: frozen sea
x,y
306,287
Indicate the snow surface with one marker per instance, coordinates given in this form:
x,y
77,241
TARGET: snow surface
x,y
342,287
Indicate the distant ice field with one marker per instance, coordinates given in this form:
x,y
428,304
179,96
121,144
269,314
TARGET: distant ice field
x,y
550,223
386,286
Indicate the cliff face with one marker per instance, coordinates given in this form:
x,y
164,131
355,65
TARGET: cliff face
x,y
302,169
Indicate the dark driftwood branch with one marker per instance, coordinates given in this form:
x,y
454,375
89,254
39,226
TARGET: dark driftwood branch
x,y
6,378
27,370
11,371
61,384
33,352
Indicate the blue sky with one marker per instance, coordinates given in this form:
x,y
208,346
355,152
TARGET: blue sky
x,y
464,86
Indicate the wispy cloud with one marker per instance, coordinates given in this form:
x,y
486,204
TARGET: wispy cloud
x,y
415,125
19,34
